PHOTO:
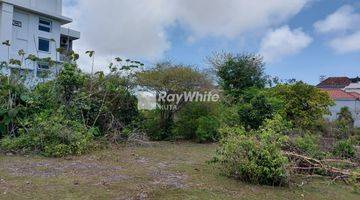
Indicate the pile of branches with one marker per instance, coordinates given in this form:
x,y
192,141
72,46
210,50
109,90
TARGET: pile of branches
x,y
306,165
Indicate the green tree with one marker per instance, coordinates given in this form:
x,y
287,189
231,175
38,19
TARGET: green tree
x,y
187,119
345,117
303,105
167,78
238,72
256,107
345,123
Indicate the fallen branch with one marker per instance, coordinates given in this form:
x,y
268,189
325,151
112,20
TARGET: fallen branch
x,y
308,164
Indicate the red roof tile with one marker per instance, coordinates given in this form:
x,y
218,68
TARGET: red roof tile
x,y
356,95
337,94
335,82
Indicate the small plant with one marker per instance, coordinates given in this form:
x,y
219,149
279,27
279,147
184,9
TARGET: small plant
x,y
344,149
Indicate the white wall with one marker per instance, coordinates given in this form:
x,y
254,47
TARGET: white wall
x,y
51,6
27,36
6,17
354,107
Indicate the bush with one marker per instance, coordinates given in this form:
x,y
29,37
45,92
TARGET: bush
x,y
112,105
152,125
345,117
254,157
344,149
250,160
257,106
345,124
303,105
188,121
207,130
52,135
307,144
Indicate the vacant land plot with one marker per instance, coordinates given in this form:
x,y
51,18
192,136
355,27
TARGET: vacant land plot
x,y
159,171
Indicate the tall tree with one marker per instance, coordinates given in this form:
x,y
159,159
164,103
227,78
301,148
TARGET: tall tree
x,y
239,72
171,79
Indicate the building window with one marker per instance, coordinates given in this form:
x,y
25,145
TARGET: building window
x,y
17,23
44,45
45,25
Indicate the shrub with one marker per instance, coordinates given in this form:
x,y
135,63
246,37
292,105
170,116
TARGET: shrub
x,y
112,105
251,160
303,105
52,135
226,131
257,106
228,115
346,117
187,120
344,149
207,130
307,144
254,157
152,125
345,123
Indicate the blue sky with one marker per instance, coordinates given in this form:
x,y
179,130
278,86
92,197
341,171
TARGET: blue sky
x,y
312,38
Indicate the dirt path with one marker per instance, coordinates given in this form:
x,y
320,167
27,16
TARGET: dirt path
x,y
162,171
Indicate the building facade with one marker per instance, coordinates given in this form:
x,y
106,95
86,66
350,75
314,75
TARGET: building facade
x,y
344,91
33,27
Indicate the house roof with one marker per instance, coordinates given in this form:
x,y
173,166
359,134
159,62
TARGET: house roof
x,y
335,82
338,94
353,86
355,94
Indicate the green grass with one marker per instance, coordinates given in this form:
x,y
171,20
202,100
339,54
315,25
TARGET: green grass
x,y
162,171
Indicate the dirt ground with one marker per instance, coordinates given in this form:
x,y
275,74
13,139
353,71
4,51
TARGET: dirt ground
x,y
160,171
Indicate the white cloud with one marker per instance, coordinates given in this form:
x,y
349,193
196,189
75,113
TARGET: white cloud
x,y
230,18
345,24
283,42
344,19
137,28
346,44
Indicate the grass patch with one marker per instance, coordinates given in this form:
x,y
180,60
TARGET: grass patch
x,y
162,171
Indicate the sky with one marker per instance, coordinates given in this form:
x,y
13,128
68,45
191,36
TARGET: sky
x,y
301,39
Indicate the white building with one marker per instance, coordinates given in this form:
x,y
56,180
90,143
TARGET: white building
x,y
344,99
36,27
353,87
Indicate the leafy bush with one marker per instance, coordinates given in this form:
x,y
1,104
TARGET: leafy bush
x,y
207,130
307,144
303,105
188,121
152,125
256,107
52,135
344,149
254,157
345,123
226,131
111,106
346,117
